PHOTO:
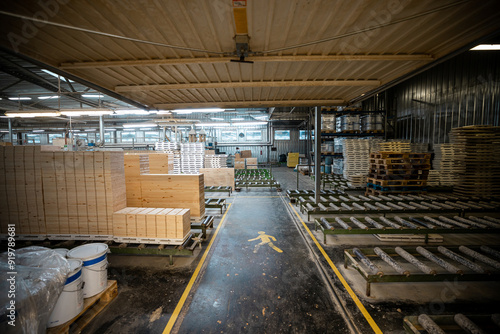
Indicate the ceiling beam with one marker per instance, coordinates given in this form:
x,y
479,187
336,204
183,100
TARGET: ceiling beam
x,y
256,59
249,104
248,84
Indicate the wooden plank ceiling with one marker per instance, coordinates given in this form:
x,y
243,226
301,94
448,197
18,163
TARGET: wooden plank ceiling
x,y
355,58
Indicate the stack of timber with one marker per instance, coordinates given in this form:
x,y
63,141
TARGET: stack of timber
x,y
477,160
192,157
252,163
174,155
161,163
398,173
163,190
239,163
218,177
395,146
60,193
158,225
215,160
444,164
356,159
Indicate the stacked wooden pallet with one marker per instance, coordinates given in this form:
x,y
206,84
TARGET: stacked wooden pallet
x,y
477,151
163,190
419,147
395,146
398,172
192,157
156,224
174,155
239,163
218,177
356,158
215,160
444,164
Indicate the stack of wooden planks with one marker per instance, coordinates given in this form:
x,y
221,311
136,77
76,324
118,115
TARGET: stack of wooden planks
x,y
395,146
444,164
218,176
239,163
151,223
185,191
60,193
477,160
398,173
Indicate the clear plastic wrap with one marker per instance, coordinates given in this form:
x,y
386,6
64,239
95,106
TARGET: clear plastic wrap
x,y
39,276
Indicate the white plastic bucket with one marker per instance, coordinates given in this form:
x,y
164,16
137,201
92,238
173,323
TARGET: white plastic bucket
x,y
62,251
95,267
70,301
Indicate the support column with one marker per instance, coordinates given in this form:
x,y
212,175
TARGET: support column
x,y
10,131
317,153
101,130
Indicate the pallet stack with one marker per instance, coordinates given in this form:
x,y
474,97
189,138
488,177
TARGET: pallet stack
x,y
395,146
215,160
398,173
477,159
356,160
444,164
173,151
192,157
156,224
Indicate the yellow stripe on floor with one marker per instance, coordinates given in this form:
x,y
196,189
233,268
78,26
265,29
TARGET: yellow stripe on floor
x,y
355,298
184,296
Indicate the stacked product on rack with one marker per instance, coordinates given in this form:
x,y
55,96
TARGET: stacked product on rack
x,y
215,160
192,157
478,160
174,155
444,164
372,123
356,161
398,173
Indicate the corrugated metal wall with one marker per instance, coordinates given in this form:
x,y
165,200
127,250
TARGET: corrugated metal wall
x,y
464,90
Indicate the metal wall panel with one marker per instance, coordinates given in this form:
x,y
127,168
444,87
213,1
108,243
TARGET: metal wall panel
x,y
464,90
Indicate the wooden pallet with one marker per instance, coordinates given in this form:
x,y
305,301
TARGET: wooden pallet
x,y
371,191
397,183
91,308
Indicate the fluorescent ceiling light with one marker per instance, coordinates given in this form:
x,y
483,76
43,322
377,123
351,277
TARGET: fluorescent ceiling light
x,y
90,130
56,75
109,129
213,124
260,117
91,96
48,97
205,110
85,112
19,98
164,112
486,47
237,119
34,113
216,118
132,112
147,129
140,125
39,130
250,123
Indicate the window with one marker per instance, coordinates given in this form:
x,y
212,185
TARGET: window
x,y
128,136
229,136
254,135
151,136
303,134
54,136
282,135
32,139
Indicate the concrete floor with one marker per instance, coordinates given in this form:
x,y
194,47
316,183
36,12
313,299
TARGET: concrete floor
x,y
242,289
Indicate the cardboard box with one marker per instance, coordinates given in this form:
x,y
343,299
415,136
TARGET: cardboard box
x,y
246,154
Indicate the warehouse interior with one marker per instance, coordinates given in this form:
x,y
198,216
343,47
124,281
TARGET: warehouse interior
x,y
250,166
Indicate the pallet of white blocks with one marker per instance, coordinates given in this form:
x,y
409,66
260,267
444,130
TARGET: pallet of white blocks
x,y
192,157
215,161
356,154
166,146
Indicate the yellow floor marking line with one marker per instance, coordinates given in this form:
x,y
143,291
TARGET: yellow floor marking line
x,y
258,196
184,296
355,298
265,239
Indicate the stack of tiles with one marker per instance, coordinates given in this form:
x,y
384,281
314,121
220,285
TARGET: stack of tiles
x,y
356,159
192,157
477,151
156,225
215,161
444,164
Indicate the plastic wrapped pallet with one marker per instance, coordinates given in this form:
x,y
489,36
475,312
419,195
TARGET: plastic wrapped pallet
x,y
39,280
